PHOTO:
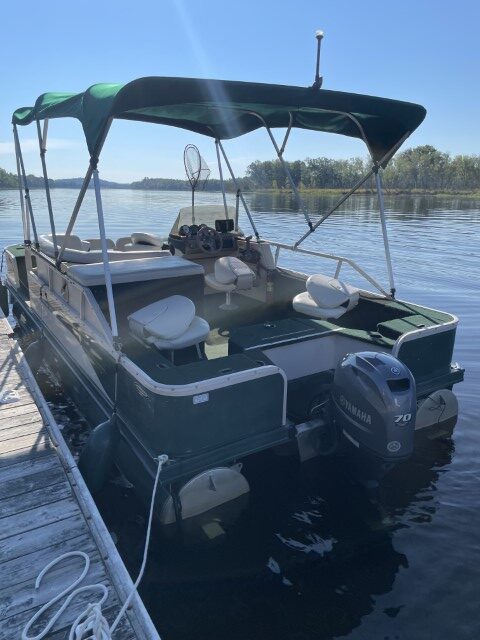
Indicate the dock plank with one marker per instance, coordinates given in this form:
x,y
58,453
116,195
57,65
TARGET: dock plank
x,y
12,433
36,539
38,517
60,577
11,410
21,406
27,468
27,501
10,626
42,448
25,398
122,632
25,476
32,441
22,568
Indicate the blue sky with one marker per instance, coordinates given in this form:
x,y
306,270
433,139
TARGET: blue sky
x,y
425,51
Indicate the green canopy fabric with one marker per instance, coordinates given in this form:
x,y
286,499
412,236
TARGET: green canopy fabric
x,y
226,109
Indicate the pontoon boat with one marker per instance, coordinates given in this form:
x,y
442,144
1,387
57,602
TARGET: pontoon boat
x,y
202,347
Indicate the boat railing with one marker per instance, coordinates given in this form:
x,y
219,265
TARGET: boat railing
x,y
329,256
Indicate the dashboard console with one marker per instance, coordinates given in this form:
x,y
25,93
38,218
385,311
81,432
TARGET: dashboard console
x,y
202,239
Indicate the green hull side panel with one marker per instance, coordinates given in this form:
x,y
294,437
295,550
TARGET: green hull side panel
x,y
180,426
429,356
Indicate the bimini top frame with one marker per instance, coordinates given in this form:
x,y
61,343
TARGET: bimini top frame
x,y
221,110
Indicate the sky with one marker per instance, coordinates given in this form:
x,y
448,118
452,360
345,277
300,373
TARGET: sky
x,y
424,51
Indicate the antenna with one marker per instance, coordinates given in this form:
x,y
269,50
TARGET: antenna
x,y
318,78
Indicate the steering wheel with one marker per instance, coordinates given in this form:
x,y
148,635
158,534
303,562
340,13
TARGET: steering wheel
x,y
209,240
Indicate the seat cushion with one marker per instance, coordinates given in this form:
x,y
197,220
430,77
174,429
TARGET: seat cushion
x,y
329,292
212,282
231,270
142,266
166,319
197,332
147,239
304,303
95,244
73,242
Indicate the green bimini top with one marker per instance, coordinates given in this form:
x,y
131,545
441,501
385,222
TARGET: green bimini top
x,y
226,109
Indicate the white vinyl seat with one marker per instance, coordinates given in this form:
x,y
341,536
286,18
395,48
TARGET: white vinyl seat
x,y
326,298
169,324
79,251
230,274
95,244
73,242
140,241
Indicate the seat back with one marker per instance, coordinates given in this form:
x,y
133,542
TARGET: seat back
x,y
166,319
326,298
96,244
330,293
231,270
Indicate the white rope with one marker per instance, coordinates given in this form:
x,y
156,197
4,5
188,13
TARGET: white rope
x,y
161,461
71,589
90,623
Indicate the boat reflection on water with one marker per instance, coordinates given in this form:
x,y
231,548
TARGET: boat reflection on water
x,y
307,558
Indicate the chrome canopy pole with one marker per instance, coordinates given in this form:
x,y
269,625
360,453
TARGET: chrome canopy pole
x,y
222,183
239,191
286,170
25,221
42,143
237,208
83,190
106,263
335,206
28,202
381,205
76,209
287,134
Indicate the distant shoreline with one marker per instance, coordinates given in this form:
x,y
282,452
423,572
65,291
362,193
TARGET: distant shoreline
x,y
372,192
421,170
314,192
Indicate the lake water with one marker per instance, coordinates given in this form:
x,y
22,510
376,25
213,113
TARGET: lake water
x,y
312,558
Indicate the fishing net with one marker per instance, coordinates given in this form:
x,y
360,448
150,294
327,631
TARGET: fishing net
x,y
195,166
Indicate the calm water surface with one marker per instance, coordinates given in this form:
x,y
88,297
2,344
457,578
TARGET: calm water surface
x,y
312,558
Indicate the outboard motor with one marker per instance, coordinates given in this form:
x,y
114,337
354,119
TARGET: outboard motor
x,y
374,404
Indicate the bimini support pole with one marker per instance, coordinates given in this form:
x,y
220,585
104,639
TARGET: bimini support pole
x,y
239,191
28,203
106,263
42,143
336,206
286,170
381,205
83,190
76,209
222,183
25,221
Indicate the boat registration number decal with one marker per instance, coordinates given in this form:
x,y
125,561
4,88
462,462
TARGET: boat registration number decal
x,y
202,397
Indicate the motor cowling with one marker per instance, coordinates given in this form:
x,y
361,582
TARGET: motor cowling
x,y
374,403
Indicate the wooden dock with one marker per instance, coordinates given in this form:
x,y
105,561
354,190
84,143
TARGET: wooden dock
x,y
45,511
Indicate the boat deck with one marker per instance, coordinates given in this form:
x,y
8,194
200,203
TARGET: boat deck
x,y
45,511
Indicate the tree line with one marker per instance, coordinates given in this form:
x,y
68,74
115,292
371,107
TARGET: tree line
x,y
422,168
419,168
